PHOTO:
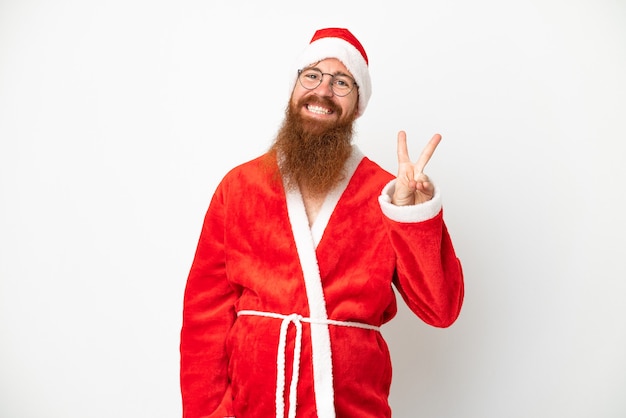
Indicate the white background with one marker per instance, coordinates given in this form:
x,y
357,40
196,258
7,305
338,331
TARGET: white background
x,y
118,118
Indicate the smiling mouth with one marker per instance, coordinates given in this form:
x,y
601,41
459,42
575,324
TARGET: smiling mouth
x,y
319,110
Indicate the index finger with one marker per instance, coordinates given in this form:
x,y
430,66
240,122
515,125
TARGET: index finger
x,y
428,151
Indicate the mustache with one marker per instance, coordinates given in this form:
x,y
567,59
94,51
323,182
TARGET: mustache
x,y
314,99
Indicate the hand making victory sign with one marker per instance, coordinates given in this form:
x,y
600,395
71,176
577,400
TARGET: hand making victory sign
x,y
412,185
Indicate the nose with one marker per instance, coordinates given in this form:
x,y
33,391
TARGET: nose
x,y
325,89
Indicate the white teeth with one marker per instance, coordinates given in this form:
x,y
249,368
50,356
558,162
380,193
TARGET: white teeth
x,y
318,109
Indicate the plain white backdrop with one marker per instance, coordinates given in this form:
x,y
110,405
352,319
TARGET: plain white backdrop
x,y
118,118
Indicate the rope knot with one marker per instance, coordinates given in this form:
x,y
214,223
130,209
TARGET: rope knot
x,y
295,318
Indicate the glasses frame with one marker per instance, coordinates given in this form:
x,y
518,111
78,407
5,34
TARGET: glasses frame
x,y
332,77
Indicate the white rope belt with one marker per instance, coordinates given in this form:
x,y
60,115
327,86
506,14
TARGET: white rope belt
x,y
297,320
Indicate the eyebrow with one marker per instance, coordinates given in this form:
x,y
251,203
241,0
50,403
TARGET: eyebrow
x,y
336,72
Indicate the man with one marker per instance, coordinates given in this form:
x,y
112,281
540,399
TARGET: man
x,y
293,273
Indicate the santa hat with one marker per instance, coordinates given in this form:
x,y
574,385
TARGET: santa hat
x,y
341,44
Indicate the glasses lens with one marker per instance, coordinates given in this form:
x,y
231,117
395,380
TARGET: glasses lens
x,y
342,85
310,78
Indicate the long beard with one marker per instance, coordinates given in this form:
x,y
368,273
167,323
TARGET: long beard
x,y
312,154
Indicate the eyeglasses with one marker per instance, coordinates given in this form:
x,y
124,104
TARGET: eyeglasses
x,y
340,84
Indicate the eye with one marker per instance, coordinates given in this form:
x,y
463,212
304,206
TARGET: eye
x,y
311,75
343,82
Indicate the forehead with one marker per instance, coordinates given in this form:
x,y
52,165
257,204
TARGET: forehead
x,y
331,66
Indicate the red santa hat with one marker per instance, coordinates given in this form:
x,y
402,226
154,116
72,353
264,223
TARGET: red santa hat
x,y
341,44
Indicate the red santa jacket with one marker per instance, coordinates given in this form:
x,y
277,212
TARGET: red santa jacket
x,y
281,318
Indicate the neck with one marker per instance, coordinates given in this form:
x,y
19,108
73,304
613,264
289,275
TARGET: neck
x,y
313,202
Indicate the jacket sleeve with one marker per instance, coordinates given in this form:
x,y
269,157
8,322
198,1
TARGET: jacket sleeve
x,y
429,276
208,315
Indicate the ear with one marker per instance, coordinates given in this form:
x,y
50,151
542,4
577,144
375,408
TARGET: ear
x,y
356,108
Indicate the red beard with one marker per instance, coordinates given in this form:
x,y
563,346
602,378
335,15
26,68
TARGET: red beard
x,y
312,153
